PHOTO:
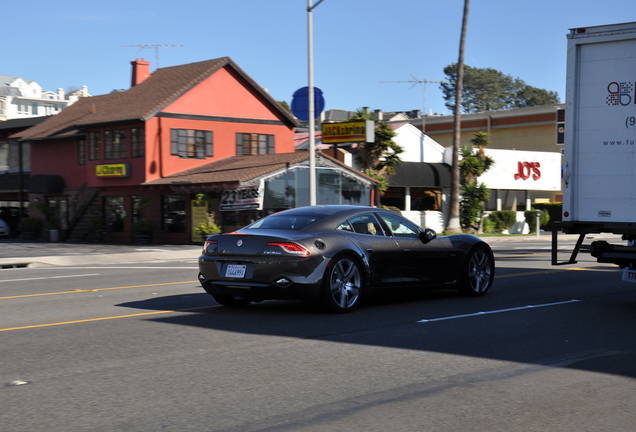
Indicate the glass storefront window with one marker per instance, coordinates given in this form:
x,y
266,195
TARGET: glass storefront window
x,y
292,189
173,213
114,213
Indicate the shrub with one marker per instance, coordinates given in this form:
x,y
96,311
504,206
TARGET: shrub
x,y
531,219
503,219
29,224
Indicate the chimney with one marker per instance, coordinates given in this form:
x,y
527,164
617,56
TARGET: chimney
x,y
140,71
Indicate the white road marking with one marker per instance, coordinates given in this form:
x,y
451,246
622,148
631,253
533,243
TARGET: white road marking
x,y
497,311
50,277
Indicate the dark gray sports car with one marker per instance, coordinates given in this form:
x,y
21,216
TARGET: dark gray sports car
x,y
337,255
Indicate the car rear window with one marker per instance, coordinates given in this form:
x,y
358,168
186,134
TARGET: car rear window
x,y
283,222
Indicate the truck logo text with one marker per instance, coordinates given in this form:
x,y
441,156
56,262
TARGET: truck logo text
x,y
620,94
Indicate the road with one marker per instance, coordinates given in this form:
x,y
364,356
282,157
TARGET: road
x,y
140,347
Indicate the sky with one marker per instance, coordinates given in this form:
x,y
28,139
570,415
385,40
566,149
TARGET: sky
x,y
358,45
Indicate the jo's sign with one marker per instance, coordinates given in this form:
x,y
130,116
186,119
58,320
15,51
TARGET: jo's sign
x,y
528,170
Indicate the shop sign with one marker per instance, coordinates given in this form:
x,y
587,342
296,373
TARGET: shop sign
x,y
356,131
243,199
113,170
523,170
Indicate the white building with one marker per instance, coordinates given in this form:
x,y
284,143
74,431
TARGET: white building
x,y
22,98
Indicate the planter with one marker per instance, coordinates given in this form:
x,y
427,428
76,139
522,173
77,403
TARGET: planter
x,y
143,238
96,236
30,235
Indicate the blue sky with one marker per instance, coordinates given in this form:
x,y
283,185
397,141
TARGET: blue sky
x,y
357,44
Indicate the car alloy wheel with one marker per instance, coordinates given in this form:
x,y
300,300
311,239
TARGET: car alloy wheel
x,y
344,285
479,273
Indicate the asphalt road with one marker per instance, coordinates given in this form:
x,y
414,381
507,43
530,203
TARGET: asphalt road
x,y
140,347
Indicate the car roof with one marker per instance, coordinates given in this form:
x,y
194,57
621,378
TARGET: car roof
x,y
328,210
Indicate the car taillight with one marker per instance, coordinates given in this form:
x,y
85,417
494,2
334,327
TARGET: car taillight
x,y
210,246
291,248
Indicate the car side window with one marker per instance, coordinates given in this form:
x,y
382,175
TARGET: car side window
x,y
366,224
399,226
345,226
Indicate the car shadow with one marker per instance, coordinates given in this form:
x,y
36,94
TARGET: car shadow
x,y
549,336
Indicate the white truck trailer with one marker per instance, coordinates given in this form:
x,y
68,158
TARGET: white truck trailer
x,y
599,163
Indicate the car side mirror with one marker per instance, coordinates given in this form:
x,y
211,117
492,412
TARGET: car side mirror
x,y
427,235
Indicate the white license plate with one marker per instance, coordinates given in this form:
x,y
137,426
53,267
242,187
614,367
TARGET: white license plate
x,y
235,270
629,275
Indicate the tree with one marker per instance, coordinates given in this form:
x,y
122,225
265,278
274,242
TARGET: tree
x,y
487,89
453,224
473,164
380,157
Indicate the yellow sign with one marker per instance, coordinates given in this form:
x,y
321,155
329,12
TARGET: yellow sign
x,y
113,170
357,131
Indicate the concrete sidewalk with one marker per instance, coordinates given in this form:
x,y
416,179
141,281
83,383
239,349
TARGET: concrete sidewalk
x,y
17,253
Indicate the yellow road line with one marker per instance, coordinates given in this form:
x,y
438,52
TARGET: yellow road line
x,y
101,319
95,290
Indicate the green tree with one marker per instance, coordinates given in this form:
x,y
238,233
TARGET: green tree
x,y
380,157
487,89
473,164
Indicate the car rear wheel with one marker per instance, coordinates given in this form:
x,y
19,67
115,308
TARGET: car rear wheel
x,y
343,285
228,300
479,273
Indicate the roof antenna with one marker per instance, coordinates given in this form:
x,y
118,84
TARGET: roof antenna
x,y
155,47
415,82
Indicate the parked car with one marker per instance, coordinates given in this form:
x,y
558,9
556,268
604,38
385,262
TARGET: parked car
x,y
4,228
337,255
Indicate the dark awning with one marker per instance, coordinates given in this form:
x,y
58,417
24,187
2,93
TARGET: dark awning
x,y
421,174
46,183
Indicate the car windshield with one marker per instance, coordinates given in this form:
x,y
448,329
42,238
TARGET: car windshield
x,y
284,222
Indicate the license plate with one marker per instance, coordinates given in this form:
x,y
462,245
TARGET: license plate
x,y
235,270
629,275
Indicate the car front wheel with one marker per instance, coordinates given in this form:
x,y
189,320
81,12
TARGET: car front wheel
x,y
478,273
343,285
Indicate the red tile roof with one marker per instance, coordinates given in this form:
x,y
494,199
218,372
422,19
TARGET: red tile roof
x,y
140,102
240,169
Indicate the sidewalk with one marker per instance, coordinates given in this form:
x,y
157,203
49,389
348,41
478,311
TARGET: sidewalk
x,y
17,253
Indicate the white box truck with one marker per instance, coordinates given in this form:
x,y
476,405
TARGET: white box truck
x,y
599,159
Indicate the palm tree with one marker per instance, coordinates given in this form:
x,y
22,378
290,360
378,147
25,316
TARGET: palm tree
x,y
453,225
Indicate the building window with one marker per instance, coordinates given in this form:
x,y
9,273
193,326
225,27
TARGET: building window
x,y
114,213
81,152
192,144
173,214
137,142
94,145
115,144
254,144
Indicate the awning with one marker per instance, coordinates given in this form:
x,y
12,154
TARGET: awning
x,y
421,174
46,183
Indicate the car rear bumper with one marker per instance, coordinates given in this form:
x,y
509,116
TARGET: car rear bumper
x,y
266,279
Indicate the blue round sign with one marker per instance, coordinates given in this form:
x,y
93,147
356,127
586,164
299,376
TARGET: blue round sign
x,y
300,103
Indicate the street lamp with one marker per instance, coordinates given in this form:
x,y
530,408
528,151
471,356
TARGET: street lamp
x,y
310,99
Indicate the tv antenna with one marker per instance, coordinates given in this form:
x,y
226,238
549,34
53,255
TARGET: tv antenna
x,y
414,82
155,47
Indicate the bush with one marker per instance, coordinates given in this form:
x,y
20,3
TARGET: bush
x,y
30,225
531,219
555,212
503,219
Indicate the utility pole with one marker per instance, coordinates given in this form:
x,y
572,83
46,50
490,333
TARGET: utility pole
x,y
311,107
415,82
155,47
